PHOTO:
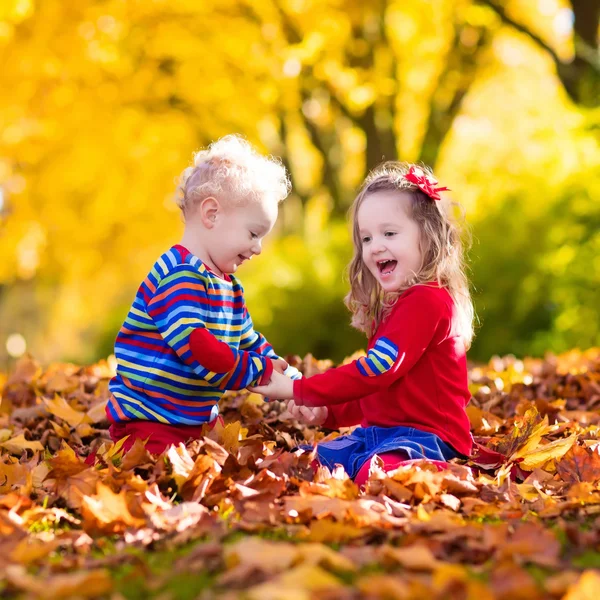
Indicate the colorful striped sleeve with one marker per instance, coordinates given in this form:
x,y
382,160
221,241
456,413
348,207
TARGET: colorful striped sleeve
x,y
179,308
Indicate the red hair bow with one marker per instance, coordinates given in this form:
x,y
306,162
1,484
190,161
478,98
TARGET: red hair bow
x,y
425,183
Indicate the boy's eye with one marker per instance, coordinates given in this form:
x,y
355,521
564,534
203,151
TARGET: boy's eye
x,y
253,235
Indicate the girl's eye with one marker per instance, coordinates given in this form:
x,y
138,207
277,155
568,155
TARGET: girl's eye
x,y
390,233
366,239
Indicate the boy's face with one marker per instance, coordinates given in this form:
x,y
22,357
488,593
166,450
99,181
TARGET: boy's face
x,y
238,232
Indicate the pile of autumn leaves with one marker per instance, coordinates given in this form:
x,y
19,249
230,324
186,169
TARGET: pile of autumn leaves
x,y
251,519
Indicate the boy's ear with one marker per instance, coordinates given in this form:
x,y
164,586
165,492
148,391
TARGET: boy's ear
x,y
209,211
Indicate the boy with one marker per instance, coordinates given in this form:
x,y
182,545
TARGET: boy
x,y
188,336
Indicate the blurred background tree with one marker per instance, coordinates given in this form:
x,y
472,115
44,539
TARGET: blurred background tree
x,y
105,100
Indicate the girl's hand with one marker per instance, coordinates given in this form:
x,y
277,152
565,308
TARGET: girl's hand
x,y
279,388
316,415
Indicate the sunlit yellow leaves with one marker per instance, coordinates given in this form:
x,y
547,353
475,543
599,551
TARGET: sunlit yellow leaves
x,y
108,512
539,456
17,444
327,531
82,585
456,532
300,583
61,408
586,588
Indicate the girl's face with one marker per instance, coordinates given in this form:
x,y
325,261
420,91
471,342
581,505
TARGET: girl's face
x,y
390,238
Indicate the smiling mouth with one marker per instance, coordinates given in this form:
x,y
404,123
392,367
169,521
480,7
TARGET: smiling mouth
x,y
242,257
386,266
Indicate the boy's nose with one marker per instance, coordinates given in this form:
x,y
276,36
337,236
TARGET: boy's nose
x,y
257,248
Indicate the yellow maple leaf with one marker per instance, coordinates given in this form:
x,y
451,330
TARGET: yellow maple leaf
x,y
107,512
62,409
586,588
17,444
326,530
542,454
299,583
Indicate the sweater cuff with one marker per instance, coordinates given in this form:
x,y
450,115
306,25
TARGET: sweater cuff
x,y
266,376
298,390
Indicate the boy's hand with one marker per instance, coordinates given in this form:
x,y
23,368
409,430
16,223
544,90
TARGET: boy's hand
x,y
279,388
279,365
317,415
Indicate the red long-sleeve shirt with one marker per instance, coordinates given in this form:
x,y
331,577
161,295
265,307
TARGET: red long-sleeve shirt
x,y
414,374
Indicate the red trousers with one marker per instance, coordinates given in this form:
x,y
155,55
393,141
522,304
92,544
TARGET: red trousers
x,y
159,435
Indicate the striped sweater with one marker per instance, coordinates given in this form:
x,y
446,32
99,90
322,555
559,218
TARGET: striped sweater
x,y
158,378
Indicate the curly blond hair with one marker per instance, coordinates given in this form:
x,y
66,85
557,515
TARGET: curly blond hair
x,y
231,170
441,247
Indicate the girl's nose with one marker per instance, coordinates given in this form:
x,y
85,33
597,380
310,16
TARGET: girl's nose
x,y
378,246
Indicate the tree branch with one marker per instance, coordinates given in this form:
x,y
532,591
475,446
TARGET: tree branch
x,y
499,10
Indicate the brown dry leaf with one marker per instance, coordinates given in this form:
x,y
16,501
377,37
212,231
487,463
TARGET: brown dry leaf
x,y
270,557
65,463
415,558
579,464
532,543
328,531
30,550
12,474
323,555
482,421
509,580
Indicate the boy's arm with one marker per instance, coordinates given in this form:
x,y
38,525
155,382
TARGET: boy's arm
x,y
179,308
253,341
415,324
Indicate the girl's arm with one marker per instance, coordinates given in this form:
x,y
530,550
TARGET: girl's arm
x,y
343,415
178,308
420,315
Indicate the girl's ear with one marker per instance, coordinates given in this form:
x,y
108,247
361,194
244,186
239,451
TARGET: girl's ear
x,y
209,211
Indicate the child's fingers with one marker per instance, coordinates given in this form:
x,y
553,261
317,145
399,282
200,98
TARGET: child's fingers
x,y
279,365
308,414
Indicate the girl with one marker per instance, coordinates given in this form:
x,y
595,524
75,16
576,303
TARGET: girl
x,y
410,295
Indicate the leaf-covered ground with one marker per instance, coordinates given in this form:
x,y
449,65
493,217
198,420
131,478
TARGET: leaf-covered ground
x,y
238,514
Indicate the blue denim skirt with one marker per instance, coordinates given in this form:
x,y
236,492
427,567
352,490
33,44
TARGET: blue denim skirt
x,y
353,450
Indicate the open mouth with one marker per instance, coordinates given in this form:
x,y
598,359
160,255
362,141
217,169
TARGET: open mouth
x,y
386,266
242,258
